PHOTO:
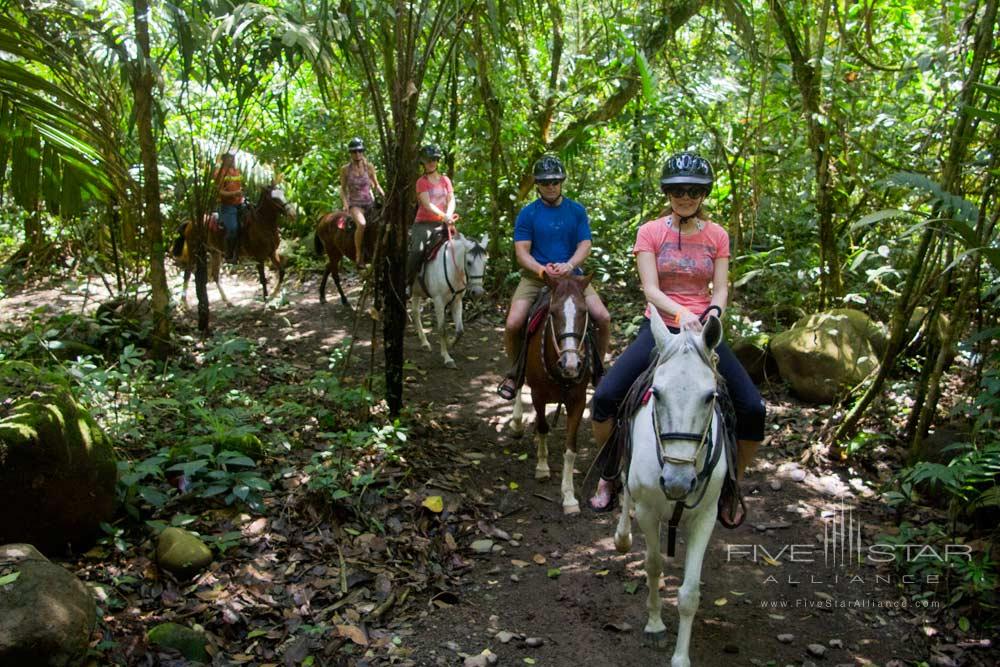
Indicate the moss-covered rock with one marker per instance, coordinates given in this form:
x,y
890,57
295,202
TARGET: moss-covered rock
x,y
182,552
755,355
826,353
57,468
46,614
190,643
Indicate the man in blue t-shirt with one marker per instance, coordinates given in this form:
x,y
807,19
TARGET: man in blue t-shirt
x,y
551,235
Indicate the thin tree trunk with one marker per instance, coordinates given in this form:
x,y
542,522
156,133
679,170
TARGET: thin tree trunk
x,y
142,85
494,116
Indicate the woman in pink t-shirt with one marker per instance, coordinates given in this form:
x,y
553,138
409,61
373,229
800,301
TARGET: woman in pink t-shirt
x,y
683,260
435,206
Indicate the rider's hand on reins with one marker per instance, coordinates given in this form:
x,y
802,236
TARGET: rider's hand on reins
x,y
707,312
688,321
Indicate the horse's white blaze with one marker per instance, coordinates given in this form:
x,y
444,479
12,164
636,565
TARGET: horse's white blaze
x,y
570,344
452,265
683,381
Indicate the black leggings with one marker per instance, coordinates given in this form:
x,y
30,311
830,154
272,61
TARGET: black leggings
x,y
749,405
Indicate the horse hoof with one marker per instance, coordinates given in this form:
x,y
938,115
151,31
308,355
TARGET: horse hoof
x,y
450,364
426,346
542,474
623,544
659,641
571,509
516,430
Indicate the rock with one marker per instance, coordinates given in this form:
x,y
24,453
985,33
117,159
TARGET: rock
x,y
503,636
797,475
534,642
775,484
452,646
939,660
817,650
836,643
786,638
46,615
182,552
825,353
482,546
57,468
190,643
755,356
487,657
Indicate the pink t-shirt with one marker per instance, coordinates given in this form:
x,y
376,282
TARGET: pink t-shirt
x,y
440,193
684,264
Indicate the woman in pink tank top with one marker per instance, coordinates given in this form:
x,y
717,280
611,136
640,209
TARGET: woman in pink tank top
x,y
357,178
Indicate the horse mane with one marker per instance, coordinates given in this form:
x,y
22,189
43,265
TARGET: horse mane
x,y
709,357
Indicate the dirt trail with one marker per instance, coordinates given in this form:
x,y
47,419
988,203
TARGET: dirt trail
x,y
765,579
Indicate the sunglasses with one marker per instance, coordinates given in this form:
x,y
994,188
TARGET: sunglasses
x,y
548,181
357,150
694,192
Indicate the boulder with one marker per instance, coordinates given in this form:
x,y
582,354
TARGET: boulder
x,y
182,552
755,355
826,353
190,643
46,614
57,468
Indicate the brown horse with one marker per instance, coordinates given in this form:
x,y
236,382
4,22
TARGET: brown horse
x,y
558,370
335,236
258,240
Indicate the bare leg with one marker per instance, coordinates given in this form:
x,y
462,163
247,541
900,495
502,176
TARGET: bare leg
x,y
602,319
746,450
359,236
602,431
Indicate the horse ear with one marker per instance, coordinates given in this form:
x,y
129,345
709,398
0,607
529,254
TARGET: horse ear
x,y
660,332
711,333
485,241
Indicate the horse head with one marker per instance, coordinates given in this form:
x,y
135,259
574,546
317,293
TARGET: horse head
x,y
475,264
273,195
684,391
566,325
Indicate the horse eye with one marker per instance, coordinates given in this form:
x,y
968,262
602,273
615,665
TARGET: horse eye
x,y
712,395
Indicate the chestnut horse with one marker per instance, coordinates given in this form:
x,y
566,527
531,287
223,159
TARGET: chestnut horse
x,y
558,369
258,240
335,236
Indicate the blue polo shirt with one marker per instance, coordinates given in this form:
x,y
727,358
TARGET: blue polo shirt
x,y
554,231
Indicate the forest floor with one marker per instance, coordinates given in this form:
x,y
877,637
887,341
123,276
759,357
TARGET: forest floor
x,y
552,590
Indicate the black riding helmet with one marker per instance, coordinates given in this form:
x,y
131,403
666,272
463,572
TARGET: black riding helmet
x,y
430,152
356,144
549,168
687,168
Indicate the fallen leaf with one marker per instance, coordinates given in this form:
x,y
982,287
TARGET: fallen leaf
x,y
554,573
617,627
519,563
513,486
539,559
602,573
434,504
631,587
721,602
354,633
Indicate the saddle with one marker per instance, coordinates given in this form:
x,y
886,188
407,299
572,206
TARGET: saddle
x,y
615,455
436,243
343,221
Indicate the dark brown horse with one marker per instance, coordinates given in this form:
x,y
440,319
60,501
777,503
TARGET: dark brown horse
x,y
258,241
335,236
558,370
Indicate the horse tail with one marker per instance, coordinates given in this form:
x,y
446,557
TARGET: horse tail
x,y
318,244
178,248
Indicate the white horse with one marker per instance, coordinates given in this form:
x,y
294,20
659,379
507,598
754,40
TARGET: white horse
x,y
457,268
678,456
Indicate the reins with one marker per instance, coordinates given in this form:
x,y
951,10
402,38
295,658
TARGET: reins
x,y
581,350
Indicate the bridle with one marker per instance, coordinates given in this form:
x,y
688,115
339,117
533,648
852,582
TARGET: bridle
x,y
580,349
466,277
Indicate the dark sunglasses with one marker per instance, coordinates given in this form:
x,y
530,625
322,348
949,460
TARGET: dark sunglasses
x,y
548,181
357,150
694,192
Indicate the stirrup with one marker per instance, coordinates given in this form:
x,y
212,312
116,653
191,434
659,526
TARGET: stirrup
x,y
507,389
732,509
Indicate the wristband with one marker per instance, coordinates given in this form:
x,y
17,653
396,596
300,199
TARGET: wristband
x,y
541,273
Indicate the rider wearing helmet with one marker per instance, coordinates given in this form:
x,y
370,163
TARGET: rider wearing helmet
x,y
435,208
357,178
683,260
551,236
229,184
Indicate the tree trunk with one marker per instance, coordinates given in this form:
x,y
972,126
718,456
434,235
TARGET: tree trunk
x,y
494,116
142,86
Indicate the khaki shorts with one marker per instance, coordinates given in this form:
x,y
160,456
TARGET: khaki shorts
x,y
529,287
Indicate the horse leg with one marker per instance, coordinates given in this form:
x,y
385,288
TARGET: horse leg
x,y
415,304
215,265
517,417
184,289
263,278
322,284
649,522
689,595
623,533
440,314
456,317
279,266
541,437
574,414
